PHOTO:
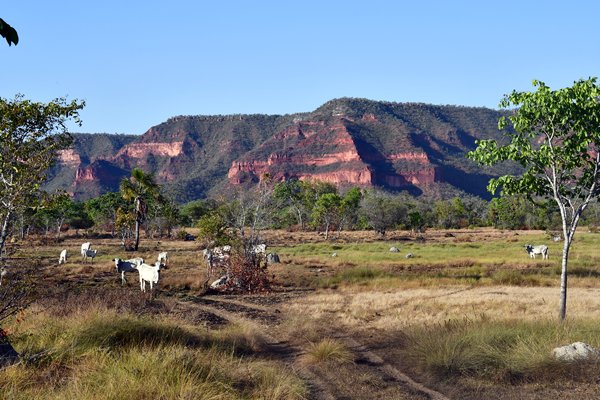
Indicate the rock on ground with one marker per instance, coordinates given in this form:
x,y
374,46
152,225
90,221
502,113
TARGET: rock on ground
x,y
575,351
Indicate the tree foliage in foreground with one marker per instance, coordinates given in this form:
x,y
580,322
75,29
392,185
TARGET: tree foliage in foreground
x,y
556,139
30,135
9,33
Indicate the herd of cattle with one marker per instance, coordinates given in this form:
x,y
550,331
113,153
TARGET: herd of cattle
x,y
216,258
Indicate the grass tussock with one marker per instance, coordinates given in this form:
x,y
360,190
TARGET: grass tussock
x,y
355,275
515,278
327,350
99,353
500,351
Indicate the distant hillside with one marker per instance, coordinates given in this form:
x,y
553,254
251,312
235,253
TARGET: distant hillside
x,y
415,147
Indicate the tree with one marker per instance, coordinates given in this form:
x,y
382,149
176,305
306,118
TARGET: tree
x,y
9,33
349,208
139,190
30,135
381,211
103,209
327,211
556,138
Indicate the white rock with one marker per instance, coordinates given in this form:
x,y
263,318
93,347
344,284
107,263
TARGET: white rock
x,y
394,250
575,351
334,255
409,255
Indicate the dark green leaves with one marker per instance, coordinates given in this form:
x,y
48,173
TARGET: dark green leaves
x,y
9,33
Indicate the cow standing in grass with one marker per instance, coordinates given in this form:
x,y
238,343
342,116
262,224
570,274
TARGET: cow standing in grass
x,y
535,250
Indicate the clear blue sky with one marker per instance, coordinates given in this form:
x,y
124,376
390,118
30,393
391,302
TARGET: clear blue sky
x,y
137,63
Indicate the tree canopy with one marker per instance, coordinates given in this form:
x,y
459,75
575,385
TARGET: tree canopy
x,y
30,135
556,138
9,33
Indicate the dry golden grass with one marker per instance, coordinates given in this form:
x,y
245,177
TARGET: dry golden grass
x,y
395,309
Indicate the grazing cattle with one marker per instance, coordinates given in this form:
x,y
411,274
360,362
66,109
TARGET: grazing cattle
x,y
130,265
216,257
535,250
84,247
163,258
62,259
259,249
148,273
90,254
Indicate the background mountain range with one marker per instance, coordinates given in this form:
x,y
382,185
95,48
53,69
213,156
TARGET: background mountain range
x,y
414,147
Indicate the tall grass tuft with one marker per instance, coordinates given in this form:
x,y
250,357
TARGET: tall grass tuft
x,y
102,354
327,350
504,351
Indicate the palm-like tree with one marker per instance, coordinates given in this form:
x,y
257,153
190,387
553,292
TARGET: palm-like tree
x,y
139,189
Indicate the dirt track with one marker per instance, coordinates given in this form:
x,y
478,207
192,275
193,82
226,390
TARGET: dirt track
x,y
369,377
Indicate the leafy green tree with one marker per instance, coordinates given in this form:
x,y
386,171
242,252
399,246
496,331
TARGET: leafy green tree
x,y
556,138
381,211
415,221
327,211
213,229
30,135
9,33
194,210
78,217
139,190
349,208
103,210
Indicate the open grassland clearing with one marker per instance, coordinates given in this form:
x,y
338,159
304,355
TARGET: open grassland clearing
x,y
470,316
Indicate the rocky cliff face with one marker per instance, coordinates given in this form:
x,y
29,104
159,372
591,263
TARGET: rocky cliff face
x,y
397,146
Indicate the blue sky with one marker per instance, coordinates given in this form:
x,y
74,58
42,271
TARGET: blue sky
x,y
137,63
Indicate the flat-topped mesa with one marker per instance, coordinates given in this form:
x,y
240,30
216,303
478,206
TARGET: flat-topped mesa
x,y
68,157
141,150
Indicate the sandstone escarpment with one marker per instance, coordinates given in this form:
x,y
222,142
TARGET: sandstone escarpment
x,y
69,158
142,150
401,146
334,152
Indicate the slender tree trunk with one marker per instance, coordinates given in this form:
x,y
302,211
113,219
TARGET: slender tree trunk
x,y
563,279
4,231
137,224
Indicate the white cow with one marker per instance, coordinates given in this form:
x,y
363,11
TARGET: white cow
x,y
62,259
535,250
163,258
259,249
85,247
216,257
148,273
130,265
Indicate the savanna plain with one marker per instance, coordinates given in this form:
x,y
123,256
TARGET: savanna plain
x,y
468,316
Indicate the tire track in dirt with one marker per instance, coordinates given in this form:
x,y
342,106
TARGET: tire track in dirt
x,y
368,357
279,350
242,311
